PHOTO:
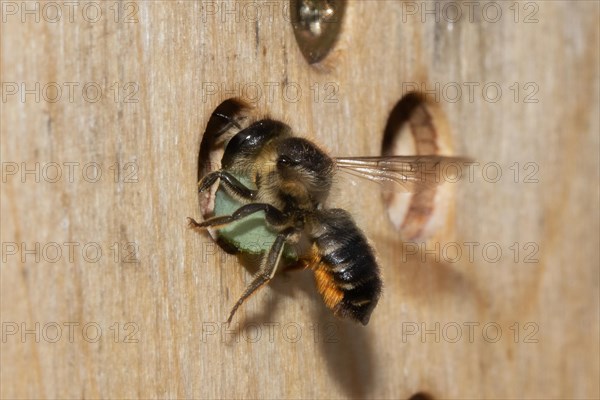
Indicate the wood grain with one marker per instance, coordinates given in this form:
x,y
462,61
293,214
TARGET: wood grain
x,y
153,328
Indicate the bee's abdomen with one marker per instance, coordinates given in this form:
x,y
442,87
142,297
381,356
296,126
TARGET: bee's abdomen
x,y
346,271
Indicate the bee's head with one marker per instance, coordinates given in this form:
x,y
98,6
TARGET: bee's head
x,y
300,161
249,142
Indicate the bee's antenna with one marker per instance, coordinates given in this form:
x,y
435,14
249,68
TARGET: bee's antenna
x,y
229,119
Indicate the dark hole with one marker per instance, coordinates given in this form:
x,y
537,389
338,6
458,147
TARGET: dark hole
x,y
421,396
399,116
231,111
415,127
227,111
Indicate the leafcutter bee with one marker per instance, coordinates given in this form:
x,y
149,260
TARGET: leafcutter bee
x,y
283,181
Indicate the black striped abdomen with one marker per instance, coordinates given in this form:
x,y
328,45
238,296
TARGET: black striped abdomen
x,y
347,273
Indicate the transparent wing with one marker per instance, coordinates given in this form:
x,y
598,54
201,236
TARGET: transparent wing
x,y
404,173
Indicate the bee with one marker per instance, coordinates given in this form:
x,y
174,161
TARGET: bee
x,y
268,170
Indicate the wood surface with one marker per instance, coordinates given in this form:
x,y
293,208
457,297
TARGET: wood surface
x,y
111,327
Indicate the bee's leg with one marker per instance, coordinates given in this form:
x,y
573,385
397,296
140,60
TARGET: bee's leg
x,y
267,269
229,181
272,214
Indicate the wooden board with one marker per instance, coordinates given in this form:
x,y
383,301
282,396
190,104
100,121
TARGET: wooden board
x,y
107,294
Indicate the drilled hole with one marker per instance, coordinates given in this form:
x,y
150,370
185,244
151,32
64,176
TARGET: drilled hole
x,y
250,235
317,24
421,396
231,109
417,126
221,125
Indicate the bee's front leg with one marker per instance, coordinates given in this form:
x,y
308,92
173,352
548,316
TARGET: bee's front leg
x,y
230,183
272,214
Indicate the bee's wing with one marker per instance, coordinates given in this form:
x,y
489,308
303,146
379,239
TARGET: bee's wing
x,y
403,173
